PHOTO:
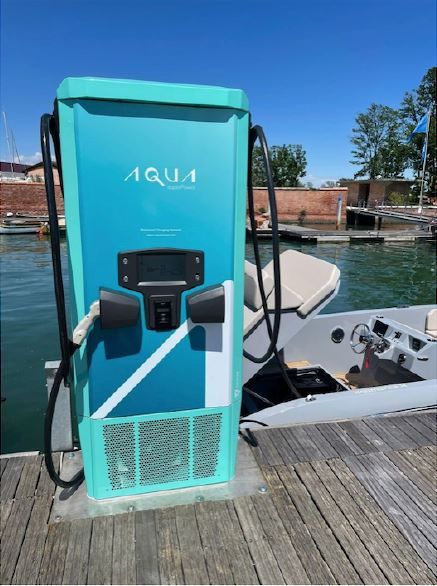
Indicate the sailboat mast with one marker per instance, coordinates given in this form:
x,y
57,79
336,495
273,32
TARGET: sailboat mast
x,y
9,145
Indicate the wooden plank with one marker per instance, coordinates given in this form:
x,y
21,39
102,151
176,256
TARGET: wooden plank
x,y
361,441
270,454
339,564
123,549
355,549
421,459
375,439
309,446
242,564
337,440
382,492
169,554
100,557
11,477
398,544
430,420
29,477
315,566
412,470
417,423
192,555
323,444
284,448
398,429
286,555
3,462
77,555
217,560
266,565
382,429
146,550
294,445
6,507
378,548
45,484
413,429
411,499
13,537
31,552
55,552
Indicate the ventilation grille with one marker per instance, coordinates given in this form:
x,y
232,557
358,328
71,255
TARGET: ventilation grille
x,y
162,451
120,454
206,445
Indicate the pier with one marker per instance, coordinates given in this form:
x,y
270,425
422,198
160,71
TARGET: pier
x,y
311,235
350,502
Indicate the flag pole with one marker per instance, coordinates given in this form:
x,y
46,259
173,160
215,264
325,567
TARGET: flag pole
x,y
424,161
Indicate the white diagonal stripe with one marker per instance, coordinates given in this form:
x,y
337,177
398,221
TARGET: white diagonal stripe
x,y
142,371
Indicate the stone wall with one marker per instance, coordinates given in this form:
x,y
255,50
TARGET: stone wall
x,y
26,198
320,205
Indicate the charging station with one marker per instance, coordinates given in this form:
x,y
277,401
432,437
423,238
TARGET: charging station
x,y
154,181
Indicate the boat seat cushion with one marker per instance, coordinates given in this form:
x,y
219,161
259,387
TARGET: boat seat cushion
x,y
305,278
252,295
431,323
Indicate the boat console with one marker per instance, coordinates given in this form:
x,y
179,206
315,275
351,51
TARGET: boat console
x,y
394,352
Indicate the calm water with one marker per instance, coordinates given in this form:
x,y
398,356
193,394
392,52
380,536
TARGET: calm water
x,y
373,275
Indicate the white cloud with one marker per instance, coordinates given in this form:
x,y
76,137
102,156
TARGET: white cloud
x,y
31,159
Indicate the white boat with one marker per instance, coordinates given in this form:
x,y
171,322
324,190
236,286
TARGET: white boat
x,y
339,366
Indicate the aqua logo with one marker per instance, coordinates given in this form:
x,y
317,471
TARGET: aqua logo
x,y
170,178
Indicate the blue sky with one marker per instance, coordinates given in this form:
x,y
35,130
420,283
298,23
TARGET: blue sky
x,y
307,66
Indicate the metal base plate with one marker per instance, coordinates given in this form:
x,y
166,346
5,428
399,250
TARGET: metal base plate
x,y
77,505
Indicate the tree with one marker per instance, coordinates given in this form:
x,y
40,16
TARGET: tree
x,y
378,141
414,105
288,165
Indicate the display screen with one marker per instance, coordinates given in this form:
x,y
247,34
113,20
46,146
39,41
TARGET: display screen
x,y
161,267
380,328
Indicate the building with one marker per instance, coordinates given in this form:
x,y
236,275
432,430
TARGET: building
x,y
371,192
36,173
12,171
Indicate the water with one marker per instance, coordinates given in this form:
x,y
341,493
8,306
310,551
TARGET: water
x,y
373,275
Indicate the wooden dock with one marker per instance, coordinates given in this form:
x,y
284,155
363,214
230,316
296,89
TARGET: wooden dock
x,y
310,235
351,502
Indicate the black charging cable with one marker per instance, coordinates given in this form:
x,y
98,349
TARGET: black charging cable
x,y
257,133
49,128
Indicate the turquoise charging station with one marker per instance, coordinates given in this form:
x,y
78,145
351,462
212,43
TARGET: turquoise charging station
x,y
154,181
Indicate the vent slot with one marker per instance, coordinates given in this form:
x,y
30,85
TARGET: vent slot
x,y
164,450
206,445
119,443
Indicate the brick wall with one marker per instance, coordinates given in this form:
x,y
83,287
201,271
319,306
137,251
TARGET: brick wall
x,y
320,204
28,198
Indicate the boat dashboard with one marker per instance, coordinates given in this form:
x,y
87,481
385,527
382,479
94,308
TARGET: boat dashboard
x,y
403,346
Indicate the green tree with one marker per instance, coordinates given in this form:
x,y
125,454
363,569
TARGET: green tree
x,y
288,165
414,105
378,143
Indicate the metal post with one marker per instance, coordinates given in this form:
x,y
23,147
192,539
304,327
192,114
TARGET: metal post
x,y
424,163
339,204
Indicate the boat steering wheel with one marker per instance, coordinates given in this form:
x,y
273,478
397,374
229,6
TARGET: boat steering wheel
x,y
361,338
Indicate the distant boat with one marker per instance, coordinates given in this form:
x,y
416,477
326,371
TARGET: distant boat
x,y
19,227
22,224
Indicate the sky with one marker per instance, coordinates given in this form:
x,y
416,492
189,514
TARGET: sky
x,y
308,66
